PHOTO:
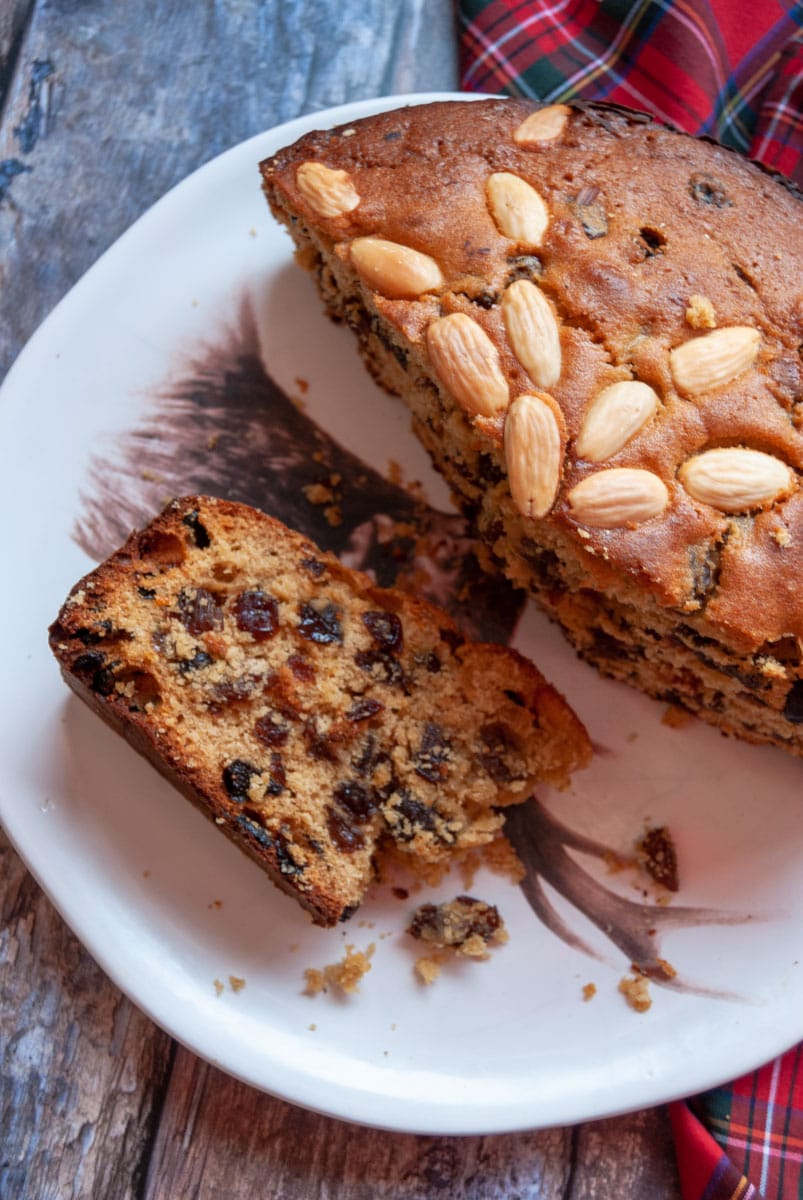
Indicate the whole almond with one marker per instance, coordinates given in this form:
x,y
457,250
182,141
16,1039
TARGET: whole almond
x,y
329,192
467,364
534,452
532,331
544,125
614,416
518,210
715,358
394,270
617,497
735,479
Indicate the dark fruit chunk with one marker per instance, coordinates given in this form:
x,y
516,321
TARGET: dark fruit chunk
x,y
362,710
356,799
277,776
317,744
342,833
496,739
433,754
385,628
301,667
389,669
270,732
199,531
199,611
257,613
284,856
321,626
91,661
413,815
196,663
315,568
237,778
659,857
793,708
707,189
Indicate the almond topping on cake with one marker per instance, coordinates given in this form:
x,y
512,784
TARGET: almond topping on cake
x,y
394,270
467,363
329,192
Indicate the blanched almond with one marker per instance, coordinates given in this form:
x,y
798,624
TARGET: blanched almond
x,y
532,330
734,479
614,416
534,453
544,125
617,497
715,358
516,207
467,364
328,191
394,270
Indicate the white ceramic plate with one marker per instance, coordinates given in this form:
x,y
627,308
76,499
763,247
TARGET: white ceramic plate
x,y
137,872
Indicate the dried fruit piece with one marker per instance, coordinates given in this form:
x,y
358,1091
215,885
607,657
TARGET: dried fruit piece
x,y
617,497
614,416
394,270
544,125
256,612
518,210
533,453
714,359
734,479
329,191
467,363
533,332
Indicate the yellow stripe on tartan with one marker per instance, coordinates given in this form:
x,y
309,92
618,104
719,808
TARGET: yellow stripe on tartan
x,y
614,53
746,86
740,1189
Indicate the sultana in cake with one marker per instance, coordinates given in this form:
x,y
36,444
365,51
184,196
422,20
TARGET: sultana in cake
x,y
316,718
597,323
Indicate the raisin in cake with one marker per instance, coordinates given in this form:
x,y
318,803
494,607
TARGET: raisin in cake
x,y
313,716
597,324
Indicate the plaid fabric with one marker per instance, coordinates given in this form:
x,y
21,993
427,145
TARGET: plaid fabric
x,y
732,69
751,1129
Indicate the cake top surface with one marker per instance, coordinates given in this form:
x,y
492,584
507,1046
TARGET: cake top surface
x,y
616,307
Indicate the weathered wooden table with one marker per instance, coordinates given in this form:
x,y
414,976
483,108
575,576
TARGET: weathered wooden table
x,y
104,107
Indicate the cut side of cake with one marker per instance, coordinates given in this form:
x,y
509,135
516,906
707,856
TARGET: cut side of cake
x,y
597,324
314,717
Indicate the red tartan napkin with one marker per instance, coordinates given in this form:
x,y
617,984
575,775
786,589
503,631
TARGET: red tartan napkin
x,y
731,69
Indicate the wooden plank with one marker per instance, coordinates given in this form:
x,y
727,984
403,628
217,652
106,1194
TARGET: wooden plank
x,y
81,1069
219,1137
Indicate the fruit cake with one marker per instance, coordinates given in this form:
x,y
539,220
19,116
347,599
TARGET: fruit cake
x,y
313,716
597,323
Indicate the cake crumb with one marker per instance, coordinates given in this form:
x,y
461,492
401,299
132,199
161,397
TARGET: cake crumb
x,y
318,493
215,904
636,992
312,1027
782,536
676,717
343,976
334,515
235,983
658,856
302,384
212,441
219,987
428,969
589,991
700,313
394,472
465,926
146,874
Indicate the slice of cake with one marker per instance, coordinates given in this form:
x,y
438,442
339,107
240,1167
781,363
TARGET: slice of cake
x,y
597,324
313,716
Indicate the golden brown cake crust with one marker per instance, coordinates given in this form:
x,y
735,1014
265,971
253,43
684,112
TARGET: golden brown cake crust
x,y
311,715
563,255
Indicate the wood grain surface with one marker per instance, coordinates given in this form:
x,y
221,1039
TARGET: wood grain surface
x,y
104,107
